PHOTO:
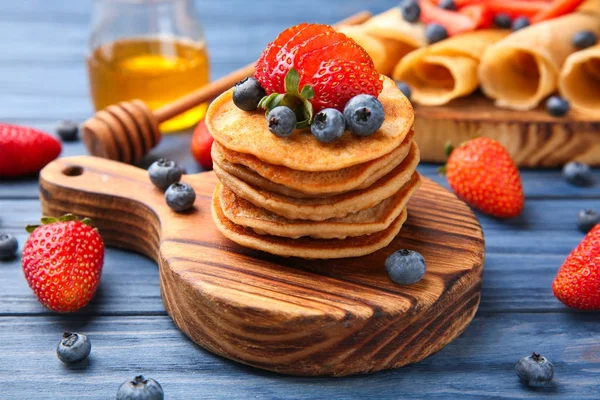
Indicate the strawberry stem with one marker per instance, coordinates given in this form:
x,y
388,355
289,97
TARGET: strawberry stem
x,y
51,220
293,98
448,148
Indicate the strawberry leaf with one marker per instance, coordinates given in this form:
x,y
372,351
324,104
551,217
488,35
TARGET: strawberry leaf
x,y
307,92
31,228
298,101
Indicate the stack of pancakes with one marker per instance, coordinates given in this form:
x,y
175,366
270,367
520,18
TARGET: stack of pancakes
x,y
298,197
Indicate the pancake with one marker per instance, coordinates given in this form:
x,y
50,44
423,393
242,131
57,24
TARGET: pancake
x,y
374,219
375,48
447,69
304,247
319,209
519,71
302,184
247,132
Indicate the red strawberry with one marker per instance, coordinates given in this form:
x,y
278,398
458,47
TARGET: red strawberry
x,y
25,151
202,142
266,62
577,283
62,262
329,63
482,173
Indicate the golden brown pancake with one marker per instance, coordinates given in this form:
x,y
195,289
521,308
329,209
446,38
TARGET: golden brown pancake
x,y
374,219
305,247
247,132
302,184
319,209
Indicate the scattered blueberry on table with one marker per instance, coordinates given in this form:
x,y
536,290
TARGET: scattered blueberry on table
x,y
584,39
404,88
281,121
67,131
520,23
535,370
405,267
328,125
247,94
578,174
435,33
8,246
587,219
364,115
447,5
140,388
163,173
73,348
410,10
180,197
503,21
557,106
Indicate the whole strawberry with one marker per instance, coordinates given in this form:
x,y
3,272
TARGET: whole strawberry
x,y
25,151
482,173
202,142
577,283
62,262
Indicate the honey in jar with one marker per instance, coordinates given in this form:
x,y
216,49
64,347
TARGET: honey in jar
x,y
155,70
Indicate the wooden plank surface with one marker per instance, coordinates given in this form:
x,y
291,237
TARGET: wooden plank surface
x,y
43,80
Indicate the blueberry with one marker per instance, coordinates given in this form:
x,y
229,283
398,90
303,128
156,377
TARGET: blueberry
x,y
247,94
73,348
404,88
180,197
67,131
163,173
557,106
520,23
411,11
8,246
578,174
328,125
503,21
584,39
535,370
281,121
405,267
140,388
447,5
587,219
435,32
364,115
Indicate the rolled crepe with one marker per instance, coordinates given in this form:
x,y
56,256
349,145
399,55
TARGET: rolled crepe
x,y
448,69
522,69
579,80
397,36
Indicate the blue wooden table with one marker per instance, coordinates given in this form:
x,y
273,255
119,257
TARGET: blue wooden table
x,y
43,80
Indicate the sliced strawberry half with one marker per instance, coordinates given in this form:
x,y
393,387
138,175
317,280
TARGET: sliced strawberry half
x,y
267,60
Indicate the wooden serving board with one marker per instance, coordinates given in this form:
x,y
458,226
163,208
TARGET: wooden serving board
x,y
533,138
293,316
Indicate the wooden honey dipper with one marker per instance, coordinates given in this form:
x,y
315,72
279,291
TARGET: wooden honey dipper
x,y
129,130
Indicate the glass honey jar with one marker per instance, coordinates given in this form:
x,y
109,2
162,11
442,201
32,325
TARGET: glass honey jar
x,y
152,50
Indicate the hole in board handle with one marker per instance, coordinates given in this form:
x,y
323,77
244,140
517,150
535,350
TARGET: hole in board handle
x,y
73,170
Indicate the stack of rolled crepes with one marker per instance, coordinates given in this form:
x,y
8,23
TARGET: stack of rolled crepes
x,y
516,69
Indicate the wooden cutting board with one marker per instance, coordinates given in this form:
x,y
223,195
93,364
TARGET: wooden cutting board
x,y
294,316
533,138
